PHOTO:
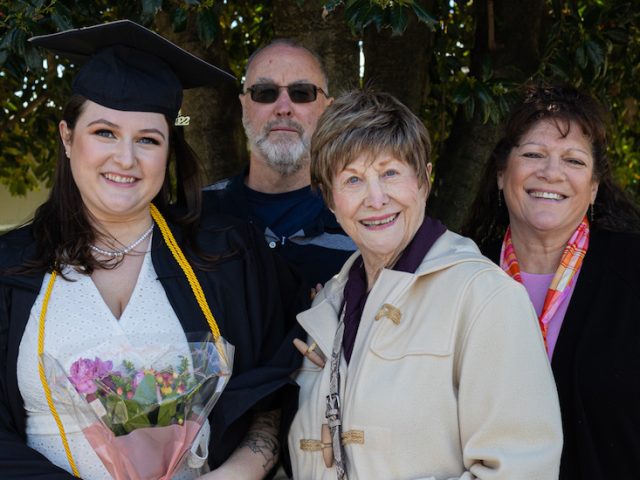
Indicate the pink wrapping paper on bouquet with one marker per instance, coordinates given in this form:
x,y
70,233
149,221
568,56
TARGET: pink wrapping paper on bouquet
x,y
141,404
145,453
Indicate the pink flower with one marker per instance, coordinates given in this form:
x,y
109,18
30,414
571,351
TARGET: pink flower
x,y
85,372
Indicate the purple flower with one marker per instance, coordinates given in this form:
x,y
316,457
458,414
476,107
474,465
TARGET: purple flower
x,y
137,378
102,368
84,372
107,383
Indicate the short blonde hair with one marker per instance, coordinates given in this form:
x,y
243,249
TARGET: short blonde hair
x,y
366,122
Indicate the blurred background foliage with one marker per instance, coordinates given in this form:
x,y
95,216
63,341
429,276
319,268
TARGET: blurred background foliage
x,y
457,64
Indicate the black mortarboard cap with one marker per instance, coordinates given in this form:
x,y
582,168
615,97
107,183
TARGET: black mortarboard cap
x,y
126,66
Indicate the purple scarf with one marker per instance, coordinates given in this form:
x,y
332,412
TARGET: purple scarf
x,y
355,291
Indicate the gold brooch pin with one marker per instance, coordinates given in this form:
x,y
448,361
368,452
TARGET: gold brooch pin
x,y
392,313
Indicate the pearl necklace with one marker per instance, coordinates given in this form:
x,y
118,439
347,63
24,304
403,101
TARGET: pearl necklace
x,y
121,253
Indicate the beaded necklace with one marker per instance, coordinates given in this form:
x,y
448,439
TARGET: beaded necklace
x,y
196,288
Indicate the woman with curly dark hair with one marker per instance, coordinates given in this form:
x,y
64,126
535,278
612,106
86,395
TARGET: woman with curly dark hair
x,y
549,212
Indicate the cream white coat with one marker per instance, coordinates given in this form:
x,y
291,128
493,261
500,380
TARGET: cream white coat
x,y
461,388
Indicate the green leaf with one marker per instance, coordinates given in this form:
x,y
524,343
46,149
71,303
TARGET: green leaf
x,y
32,58
167,412
179,20
149,9
61,22
361,13
495,115
138,417
581,56
146,393
604,68
18,41
489,110
332,5
11,151
487,69
5,41
117,411
423,16
207,23
483,94
469,108
398,20
617,35
595,52
462,93
503,106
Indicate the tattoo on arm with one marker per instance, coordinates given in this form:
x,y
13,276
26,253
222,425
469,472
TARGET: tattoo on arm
x,y
265,445
262,438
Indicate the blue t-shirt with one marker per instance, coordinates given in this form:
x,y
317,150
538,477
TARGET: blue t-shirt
x,y
285,213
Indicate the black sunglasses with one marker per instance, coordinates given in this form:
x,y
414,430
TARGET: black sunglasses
x,y
298,92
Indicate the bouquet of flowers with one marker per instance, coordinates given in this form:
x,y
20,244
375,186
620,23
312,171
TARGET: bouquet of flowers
x,y
141,407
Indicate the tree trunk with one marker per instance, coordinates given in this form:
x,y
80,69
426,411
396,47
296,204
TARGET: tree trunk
x,y
215,129
330,37
399,64
514,53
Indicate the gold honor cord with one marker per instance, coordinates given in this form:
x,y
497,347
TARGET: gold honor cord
x,y
43,377
176,251
195,287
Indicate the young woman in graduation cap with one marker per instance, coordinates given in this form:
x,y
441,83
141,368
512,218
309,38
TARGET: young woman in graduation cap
x,y
101,259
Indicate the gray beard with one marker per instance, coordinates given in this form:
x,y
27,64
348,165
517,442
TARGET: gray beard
x,y
286,157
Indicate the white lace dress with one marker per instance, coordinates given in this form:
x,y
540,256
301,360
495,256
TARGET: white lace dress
x,y
78,316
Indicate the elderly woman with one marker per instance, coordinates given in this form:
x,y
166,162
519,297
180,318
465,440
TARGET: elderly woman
x,y
569,234
435,368
103,258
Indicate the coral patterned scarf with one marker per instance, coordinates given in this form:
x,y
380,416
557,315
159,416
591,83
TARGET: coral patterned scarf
x,y
570,264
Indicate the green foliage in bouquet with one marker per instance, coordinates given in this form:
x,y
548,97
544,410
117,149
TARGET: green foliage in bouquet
x,y
129,398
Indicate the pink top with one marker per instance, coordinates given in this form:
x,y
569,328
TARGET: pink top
x,y
537,285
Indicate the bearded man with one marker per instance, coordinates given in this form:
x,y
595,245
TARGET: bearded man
x,y
285,92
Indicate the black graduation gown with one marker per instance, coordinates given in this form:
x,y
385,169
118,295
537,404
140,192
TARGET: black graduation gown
x,y
596,362
253,296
